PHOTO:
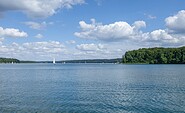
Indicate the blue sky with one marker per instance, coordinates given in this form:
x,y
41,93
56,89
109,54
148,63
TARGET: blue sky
x,y
88,29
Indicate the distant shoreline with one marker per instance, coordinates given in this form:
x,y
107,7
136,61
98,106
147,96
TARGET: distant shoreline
x,y
157,55
101,61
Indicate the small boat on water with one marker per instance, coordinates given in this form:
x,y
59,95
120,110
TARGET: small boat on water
x,y
54,62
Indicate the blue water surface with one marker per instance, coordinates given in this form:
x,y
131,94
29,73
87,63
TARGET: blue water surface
x,y
92,88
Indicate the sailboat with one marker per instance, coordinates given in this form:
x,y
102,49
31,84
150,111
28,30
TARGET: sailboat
x,y
54,61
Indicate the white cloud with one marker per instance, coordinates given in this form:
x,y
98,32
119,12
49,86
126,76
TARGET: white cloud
x,y
95,51
139,24
122,31
149,16
102,50
176,23
33,50
152,17
11,32
37,26
162,37
71,42
37,8
1,40
39,36
44,47
111,32
90,47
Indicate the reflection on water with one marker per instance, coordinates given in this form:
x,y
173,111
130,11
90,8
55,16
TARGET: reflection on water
x,y
92,88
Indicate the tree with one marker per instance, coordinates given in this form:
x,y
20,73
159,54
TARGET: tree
x,y
156,56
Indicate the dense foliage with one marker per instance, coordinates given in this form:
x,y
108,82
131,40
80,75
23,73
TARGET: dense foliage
x,y
156,56
9,60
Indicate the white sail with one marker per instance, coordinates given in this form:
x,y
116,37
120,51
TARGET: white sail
x,y
54,61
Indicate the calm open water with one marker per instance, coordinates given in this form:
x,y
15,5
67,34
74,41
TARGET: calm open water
x,y
101,88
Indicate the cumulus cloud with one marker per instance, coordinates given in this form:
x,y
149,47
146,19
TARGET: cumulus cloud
x,y
90,47
122,31
139,24
48,49
37,26
11,32
33,50
39,36
174,34
176,23
162,37
92,51
37,8
44,47
116,31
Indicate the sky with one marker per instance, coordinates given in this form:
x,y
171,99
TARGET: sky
x,y
88,29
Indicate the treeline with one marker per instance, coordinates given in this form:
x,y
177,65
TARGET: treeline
x,y
9,60
156,56
28,62
118,60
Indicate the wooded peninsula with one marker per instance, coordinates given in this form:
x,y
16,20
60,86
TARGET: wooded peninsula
x,y
9,60
155,56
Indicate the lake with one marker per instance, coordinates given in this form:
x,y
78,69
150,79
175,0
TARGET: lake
x,y
94,88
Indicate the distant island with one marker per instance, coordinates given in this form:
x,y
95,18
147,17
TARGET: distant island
x,y
155,56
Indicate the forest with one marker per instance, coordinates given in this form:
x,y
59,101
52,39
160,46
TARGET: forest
x,y
9,60
155,56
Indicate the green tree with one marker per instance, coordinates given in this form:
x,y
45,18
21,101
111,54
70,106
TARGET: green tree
x,y
156,56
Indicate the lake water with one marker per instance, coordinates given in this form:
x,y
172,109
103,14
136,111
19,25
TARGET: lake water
x,y
95,88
